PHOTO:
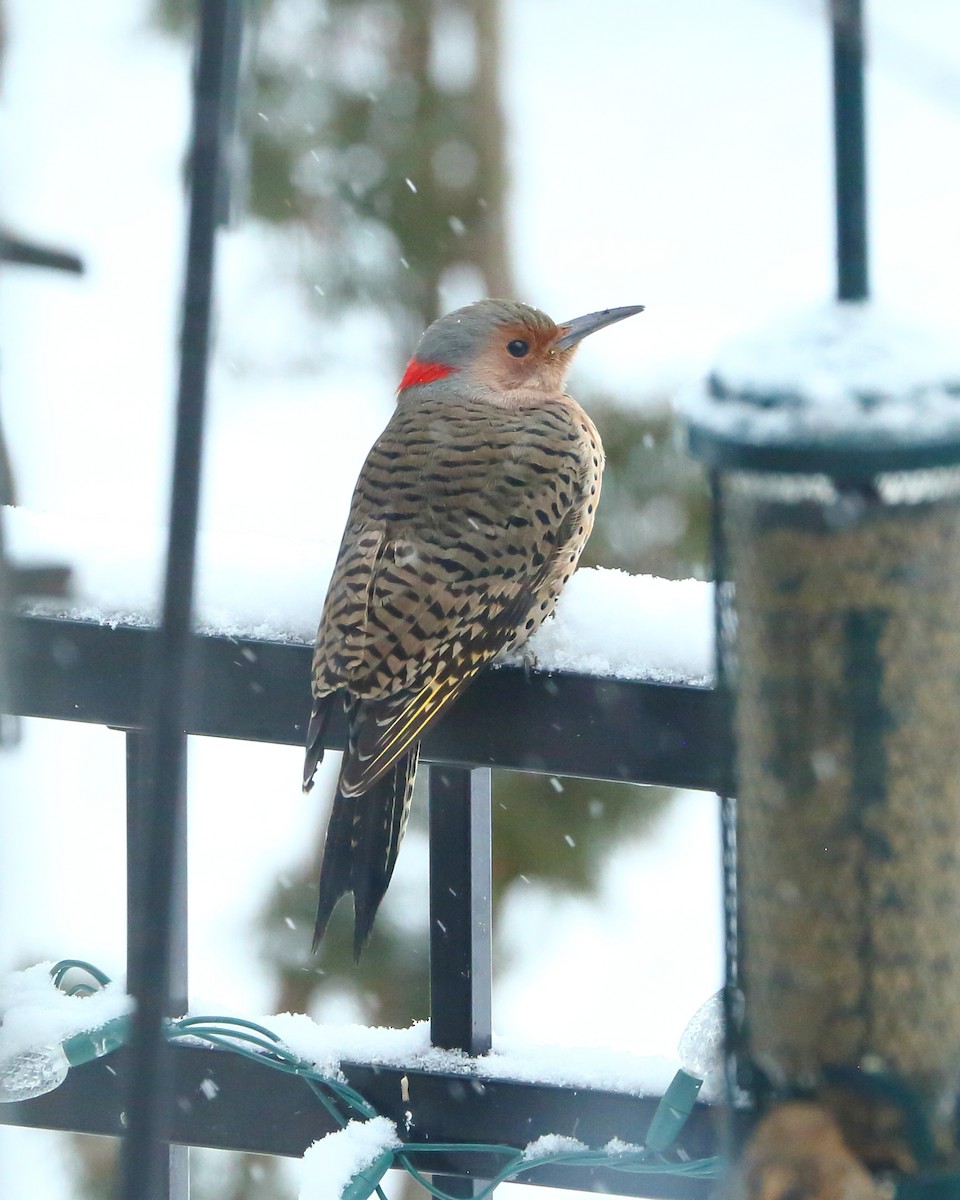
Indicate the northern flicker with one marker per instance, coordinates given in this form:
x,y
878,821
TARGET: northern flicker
x,y
469,516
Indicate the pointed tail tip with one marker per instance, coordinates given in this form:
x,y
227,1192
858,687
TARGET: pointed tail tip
x,y
362,928
360,849
324,912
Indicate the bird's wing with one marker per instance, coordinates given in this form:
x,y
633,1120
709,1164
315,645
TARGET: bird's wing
x,y
396,608
388,725
343,648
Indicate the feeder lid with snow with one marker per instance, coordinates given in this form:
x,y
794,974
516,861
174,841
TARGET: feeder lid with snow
x,y
849,389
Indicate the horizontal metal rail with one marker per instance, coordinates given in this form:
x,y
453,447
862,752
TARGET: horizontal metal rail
x,y
227,1102
577,725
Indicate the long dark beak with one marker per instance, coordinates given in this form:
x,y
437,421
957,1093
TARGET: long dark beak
x,y
574,331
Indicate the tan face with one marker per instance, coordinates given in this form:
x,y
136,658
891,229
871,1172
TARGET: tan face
x,y
520,357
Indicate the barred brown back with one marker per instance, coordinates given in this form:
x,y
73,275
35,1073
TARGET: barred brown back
x,y
465,524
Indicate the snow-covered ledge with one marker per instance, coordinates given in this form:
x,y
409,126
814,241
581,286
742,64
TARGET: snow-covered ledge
x,y
44,1030
35,1013
608,622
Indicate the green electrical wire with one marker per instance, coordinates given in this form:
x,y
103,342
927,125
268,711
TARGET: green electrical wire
x,y
60,969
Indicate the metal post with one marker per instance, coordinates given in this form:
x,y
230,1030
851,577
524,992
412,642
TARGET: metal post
x,y
460,919
144,1165
849,150
460,912
724,651
174,1169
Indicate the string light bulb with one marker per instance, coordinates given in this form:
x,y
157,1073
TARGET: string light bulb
x,y
700,1050
41,1069
701,1044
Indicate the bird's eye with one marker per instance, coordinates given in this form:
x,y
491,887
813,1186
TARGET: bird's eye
x,y
518,348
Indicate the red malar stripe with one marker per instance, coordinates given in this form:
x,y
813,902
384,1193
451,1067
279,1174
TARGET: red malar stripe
x,y
423,372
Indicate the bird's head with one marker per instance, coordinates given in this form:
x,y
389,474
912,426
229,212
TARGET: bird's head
x,y
502,349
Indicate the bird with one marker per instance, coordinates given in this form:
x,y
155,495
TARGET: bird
x,y
468,517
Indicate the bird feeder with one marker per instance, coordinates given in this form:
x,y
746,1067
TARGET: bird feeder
x,y
834,447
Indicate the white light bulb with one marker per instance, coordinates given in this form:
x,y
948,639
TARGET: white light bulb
x,y
701,1044
42,1068
32,1072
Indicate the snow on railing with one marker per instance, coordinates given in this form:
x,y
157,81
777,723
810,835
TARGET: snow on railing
x,y
608,623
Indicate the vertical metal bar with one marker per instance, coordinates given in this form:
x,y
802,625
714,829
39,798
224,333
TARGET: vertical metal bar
x,y
725,670
460,908
461,971
849,150
144,1162
724,667
174,1169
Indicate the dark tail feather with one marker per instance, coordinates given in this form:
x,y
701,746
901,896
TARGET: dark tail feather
x,y
361,845
319,715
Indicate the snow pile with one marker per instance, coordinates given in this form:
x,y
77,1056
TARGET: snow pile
x,y
37,1016
553,1143
330,1164
35,1013
841,370
607,622
605,1068
618,1146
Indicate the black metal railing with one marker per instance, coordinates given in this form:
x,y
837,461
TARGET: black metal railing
x,y
578,725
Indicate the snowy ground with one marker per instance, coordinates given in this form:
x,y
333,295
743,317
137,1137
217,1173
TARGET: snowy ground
x,y
674,153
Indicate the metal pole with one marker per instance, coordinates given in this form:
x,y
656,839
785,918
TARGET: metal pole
x,y
460,909
144,1164
461,972
174,1181
849,150
723,640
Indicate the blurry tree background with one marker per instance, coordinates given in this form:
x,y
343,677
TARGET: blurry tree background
x,y
378,145
376,134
